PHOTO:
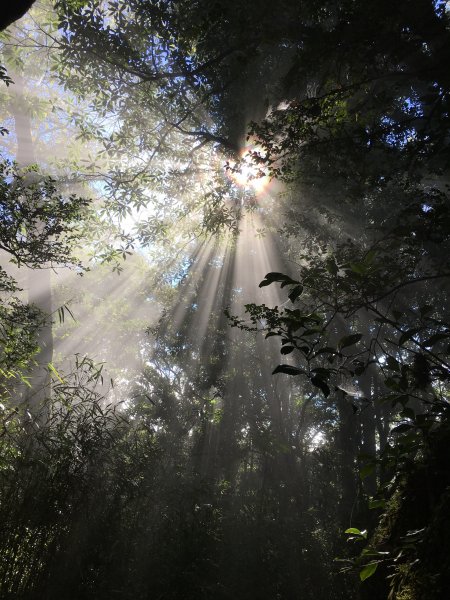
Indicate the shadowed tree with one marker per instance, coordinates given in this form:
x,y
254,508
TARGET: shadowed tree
x,y
13,11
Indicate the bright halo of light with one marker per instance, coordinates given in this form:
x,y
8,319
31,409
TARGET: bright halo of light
x,y
246,173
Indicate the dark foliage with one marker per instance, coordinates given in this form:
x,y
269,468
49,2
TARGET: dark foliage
x,y
216,478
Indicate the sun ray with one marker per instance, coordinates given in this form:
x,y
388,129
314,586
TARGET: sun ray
x,y
248,171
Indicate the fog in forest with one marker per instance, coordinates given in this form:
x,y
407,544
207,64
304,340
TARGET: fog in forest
x,y
225,334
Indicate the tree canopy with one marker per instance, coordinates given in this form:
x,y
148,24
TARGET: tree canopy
x,y
225,334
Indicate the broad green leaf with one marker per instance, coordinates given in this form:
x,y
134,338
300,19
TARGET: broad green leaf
x,y
366,470
277,277
325,350
353,531
349,340
288,370
392,384
331,266
408,413
369,257
392,363
271,278
368,571
322,385
287,349
425,309
296,292
358,268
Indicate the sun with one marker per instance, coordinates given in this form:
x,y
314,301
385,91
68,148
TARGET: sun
x,y
246,172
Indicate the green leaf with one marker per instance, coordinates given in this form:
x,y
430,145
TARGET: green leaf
x,y
52,369
392,384
402,399
402,428
366,470
331,266
288,370
369,257
325,350
287,281
349,340
277,277
408,413
425,309
353,531
407,335
321,372
358,268
437,337
296,292
377,503
392,364
287,349
271,278
322,385
368,571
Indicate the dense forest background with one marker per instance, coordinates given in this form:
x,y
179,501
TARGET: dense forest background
x,y
225,333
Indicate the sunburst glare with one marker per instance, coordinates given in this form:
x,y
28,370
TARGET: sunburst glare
x,y
248,171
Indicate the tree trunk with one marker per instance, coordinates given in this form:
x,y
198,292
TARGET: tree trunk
x,y
12,11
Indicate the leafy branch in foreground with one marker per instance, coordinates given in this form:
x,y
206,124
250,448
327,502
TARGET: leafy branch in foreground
x,y
370,325
39,226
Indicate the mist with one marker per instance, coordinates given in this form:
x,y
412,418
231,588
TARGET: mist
x,y
224,242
